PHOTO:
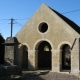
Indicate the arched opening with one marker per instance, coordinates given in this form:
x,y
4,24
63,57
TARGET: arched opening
x,y
24,57
44,56
66,57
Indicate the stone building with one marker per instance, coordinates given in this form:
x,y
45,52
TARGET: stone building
x,y
49,41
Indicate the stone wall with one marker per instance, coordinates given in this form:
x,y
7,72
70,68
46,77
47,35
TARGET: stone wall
x,y
10,66
11,50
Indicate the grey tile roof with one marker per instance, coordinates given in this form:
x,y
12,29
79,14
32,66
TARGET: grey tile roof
x,y
68,21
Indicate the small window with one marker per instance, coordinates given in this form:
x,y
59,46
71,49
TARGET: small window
x,y
43,27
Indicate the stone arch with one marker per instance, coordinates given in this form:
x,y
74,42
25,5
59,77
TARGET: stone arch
x,y
24,56
65,56
20,45
39,41
43,55
62,43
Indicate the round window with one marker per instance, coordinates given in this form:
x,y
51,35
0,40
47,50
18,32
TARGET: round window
x,y
43,27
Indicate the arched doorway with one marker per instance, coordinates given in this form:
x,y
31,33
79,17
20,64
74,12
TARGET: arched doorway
x,y
44,56
24,57
66,57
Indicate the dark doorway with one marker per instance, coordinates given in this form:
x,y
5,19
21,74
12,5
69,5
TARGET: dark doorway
x,y
24,58
44,56
66,57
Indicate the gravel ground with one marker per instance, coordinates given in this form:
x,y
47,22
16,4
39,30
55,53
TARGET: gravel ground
x,y
42,76
49,76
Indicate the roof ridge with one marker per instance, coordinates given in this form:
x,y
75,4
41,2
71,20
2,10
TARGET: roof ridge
x,y
68,21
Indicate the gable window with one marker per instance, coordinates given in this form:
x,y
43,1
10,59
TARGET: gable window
x,y
43,27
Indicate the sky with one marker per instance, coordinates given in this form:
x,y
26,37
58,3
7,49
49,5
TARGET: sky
x,y
22,10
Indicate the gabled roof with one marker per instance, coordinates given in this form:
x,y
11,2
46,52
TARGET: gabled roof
x,y
41,12
68,21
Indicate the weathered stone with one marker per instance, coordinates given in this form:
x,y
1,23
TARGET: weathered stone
x,y
11,66
11,50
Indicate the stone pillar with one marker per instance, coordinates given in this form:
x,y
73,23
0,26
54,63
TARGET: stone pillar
x,y
55,61
75,58
60,60
20,56
11,51
31,59
36,59
11,57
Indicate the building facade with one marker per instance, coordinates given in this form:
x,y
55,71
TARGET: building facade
x,y
49,41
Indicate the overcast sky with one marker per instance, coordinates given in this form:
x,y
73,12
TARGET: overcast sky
x,y
21,10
